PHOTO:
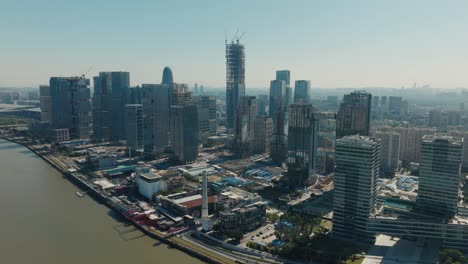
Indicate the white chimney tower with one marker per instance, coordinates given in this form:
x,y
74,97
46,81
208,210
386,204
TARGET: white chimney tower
x,y
204,213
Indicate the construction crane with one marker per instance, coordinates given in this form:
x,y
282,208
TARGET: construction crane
x,y
84,74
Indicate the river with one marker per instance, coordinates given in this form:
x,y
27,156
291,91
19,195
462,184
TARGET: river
x,y
43,221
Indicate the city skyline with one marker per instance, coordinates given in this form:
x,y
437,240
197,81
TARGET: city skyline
x,y
331,43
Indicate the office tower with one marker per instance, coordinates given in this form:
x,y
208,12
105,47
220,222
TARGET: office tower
x,y
395,104
46,103
355,193
244,128
235,80
180,94
262,102
453,118
278,114
248,108
464,165
375,103
277,110
184,132
156,110
439,175
302,92
302,141
354,115
383,104
111,92
206,116
134,127
263,130
70,105
135,94
410,141
389,152
167,77
284,75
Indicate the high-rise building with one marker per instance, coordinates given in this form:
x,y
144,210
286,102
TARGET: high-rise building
x,y
71,105
184,132
439,174
262,103
167,77
375,103
395,104
46,103
207,123
383,104
111,93
284,75
277,108
302,92
244,128
302,141
135,94
263,131
180,94
134,127
410,141
156,111
354,115
355,192
389,152
278,114
235,80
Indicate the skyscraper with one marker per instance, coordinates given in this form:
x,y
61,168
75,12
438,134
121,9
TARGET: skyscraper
x,y
167,77
111,94
156,110
71,105
134,127
277,108
302,92
207,125
302,141
439,174
244,128
284,75
235,80
355,193
184,132
46,104
390,152
354,115
278,114
263,131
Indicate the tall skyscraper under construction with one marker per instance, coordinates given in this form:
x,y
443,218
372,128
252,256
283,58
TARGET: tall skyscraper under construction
x,y
235,80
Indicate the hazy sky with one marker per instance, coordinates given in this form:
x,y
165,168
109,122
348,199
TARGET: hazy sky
x,y
332,43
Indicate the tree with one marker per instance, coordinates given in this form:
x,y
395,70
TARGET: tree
x,y
451,256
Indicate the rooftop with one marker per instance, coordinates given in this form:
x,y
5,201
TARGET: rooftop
x,y
149,176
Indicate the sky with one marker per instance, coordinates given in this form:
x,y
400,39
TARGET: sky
x,y
359,43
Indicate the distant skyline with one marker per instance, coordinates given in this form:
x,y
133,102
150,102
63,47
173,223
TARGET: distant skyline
x,y
361,43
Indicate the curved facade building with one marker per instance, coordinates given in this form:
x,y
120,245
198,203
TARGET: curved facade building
x,y
167,77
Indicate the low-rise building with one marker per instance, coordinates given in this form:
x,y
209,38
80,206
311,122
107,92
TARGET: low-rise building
x,y
149,184
243,219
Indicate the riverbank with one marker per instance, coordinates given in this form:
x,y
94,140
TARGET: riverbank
x,y
81,181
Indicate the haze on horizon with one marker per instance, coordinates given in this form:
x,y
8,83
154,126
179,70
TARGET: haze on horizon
x,y
360,43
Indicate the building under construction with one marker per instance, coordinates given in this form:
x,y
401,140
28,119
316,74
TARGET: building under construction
x,y
235,79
